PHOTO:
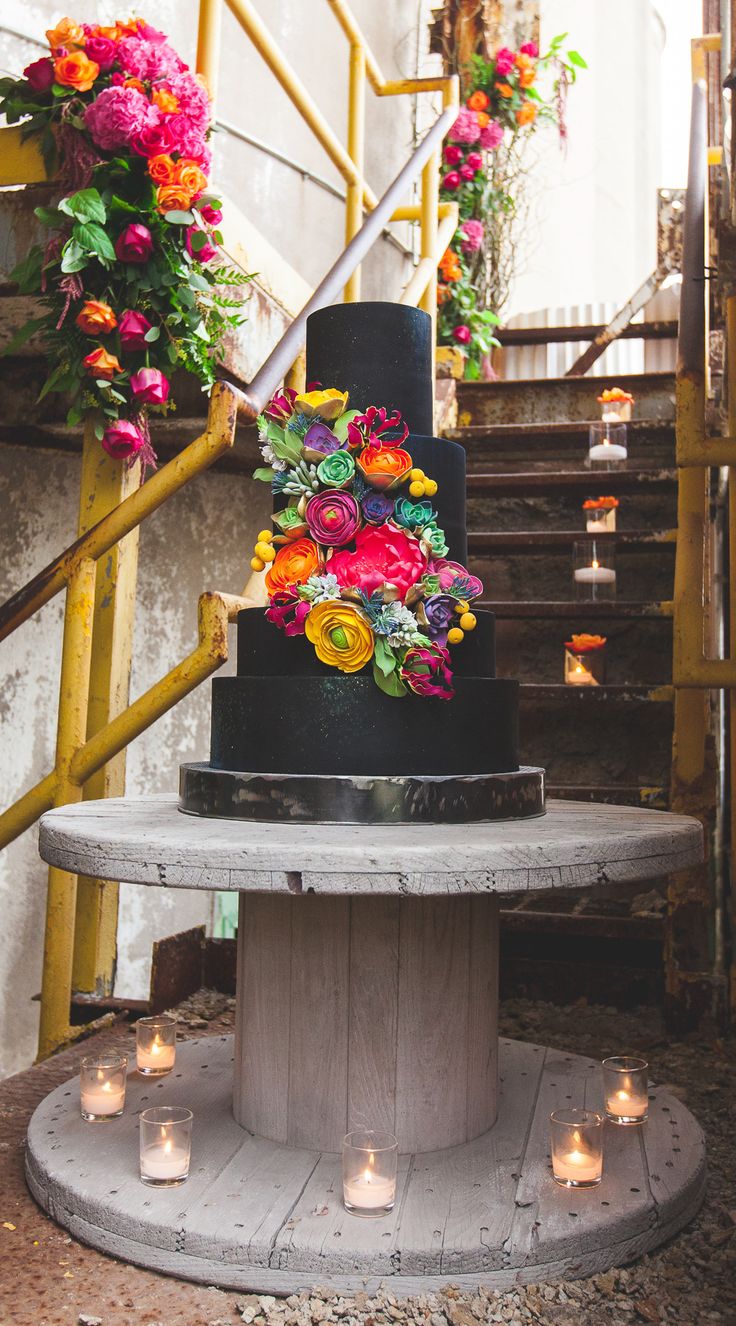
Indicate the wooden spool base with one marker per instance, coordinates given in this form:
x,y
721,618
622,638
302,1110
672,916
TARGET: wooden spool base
x,y
261,1216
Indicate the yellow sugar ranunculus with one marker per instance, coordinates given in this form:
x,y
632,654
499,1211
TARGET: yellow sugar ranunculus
x,y
340,634
329,404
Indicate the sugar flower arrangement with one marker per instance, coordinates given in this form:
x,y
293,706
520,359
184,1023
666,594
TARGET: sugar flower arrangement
x,y
358,562
132,277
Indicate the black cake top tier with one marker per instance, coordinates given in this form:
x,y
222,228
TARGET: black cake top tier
x,y
380,353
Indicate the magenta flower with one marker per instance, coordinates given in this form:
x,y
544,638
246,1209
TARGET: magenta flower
x,y
462,334
118,116
451,180
102,50
40,74
467,173
333,518
427,672
474,160
452,154
211,215
155,137
504,61
134,244
449,572
472,232
150,61
122,440
132,328
206,252
466,128
382,556
529,48
149,387
287,611
491,136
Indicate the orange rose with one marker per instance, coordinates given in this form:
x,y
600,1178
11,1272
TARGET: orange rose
x,y
443,293
504,90
478,101
524,61
130,29
66,33
162,169
526,114
165,100
293,565
190,176
384,467
135,83
76,71
527,77
100,364
483,119
112,33
448,264
173,198
95,318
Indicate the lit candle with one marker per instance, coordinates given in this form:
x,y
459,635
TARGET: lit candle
x,y
156,1058
611,414
606,450
626,1089
577,1166
368,1191
165,1145
155,1044
595,574
102,1086
626,1105
576,1138
106,1098
579,676
166,1161
369,1167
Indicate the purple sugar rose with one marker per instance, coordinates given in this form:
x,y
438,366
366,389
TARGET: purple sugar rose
x,y
333,518
319,437
377,508
440,610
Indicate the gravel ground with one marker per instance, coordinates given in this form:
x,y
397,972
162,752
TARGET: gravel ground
x,y
690,1282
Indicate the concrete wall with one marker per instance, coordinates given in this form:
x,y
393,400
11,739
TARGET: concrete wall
x,y
202,539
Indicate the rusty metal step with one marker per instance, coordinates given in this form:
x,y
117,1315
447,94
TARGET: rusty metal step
x,y
563,436
531,541
539,400
530,482
623,692
636,331
577,608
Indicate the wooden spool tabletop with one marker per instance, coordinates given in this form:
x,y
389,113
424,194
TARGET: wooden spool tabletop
x,y
147,840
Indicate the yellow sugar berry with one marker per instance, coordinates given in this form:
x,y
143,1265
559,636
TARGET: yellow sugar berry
x,y
416,476
416,489
468,621
265,551
256,564
462,606
455,635
265,536
430,487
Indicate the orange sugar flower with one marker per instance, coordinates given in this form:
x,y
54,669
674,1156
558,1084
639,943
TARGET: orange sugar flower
x,y
384,467
67,33
100,364
504,90
173,198
165,100
293,565
600,504
478,101
162,168
526,114
95,318
76,71
190,176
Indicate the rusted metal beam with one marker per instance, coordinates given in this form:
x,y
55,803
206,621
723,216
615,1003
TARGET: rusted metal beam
x,y
636,331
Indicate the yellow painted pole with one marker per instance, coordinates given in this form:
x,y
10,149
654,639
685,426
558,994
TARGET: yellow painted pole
x,y
430,200
731,709
208,43
427,267
56,984
104,484
356,150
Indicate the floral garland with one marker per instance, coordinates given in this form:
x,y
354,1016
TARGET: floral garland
x,y
504,104
359,564
131,277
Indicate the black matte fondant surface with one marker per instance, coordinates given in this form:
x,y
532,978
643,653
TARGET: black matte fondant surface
x,y
343,724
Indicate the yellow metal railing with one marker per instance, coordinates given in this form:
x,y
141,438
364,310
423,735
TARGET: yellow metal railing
x,y
96,722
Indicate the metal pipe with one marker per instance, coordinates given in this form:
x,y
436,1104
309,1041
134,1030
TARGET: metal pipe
x,y
356,149
691,335
208,43
427,266
354,35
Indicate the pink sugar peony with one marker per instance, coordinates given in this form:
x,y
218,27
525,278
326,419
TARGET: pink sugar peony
x,y
117,116
529,48
134,244
466,128
504,61
382,555
40,74
132,328
491,136
472,232
462,334
451,180
122,440
453,154
149,387
102,50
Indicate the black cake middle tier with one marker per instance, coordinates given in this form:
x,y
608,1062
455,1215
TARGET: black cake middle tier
x,y
285,712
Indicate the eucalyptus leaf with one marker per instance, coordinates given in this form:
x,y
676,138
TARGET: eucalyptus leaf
x,y
179,218
152,334
340,426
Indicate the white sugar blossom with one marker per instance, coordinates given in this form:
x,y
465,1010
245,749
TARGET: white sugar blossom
x,y
324,587
271,459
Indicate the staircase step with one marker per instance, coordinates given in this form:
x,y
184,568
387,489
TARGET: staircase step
x,y
625,693
535,400
631,478
575,608
531,541
564,435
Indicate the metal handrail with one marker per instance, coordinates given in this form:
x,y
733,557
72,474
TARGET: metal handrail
x,y
691,330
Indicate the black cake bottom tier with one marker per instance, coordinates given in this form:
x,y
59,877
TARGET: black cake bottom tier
x,y
343,724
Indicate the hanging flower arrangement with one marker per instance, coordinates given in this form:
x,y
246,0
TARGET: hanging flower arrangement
x,y
132,277
358,563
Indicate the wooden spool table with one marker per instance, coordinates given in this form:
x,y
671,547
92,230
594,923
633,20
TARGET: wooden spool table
x,y
367,996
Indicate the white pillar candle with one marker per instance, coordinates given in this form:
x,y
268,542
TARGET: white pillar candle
x,y
165,1162
369,1192
627,1104
156,1057
577,1167
102,1098
595,575
607,451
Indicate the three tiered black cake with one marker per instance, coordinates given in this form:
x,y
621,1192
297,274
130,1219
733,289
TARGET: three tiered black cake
x,y
295,737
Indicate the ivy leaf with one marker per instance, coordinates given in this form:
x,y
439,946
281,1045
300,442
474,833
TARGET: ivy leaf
x,y
22,335
90,236
390,684
576,58
85,205
384,657
118,204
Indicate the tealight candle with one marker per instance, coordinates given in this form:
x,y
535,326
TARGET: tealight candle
x,y
626,1089
155,1045
594,574
165,1145
577,1148
369,1165
102,1087
607,442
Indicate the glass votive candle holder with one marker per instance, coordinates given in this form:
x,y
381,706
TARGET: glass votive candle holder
x,y
626,1089
155,1045
585,660
576,1138
594,570
165,1145
600,515
607,443
102,1087
369,1165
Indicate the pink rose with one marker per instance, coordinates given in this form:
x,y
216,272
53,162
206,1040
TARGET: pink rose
x,y
122,439
333,518
102,50
491,136
134,244
149,387
117,116
212,215
529,48
452,154
466,128
472,232
132,328
462,334
206,252
474,160
382,556
40,74
154,138
451,180
467,173
504,61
